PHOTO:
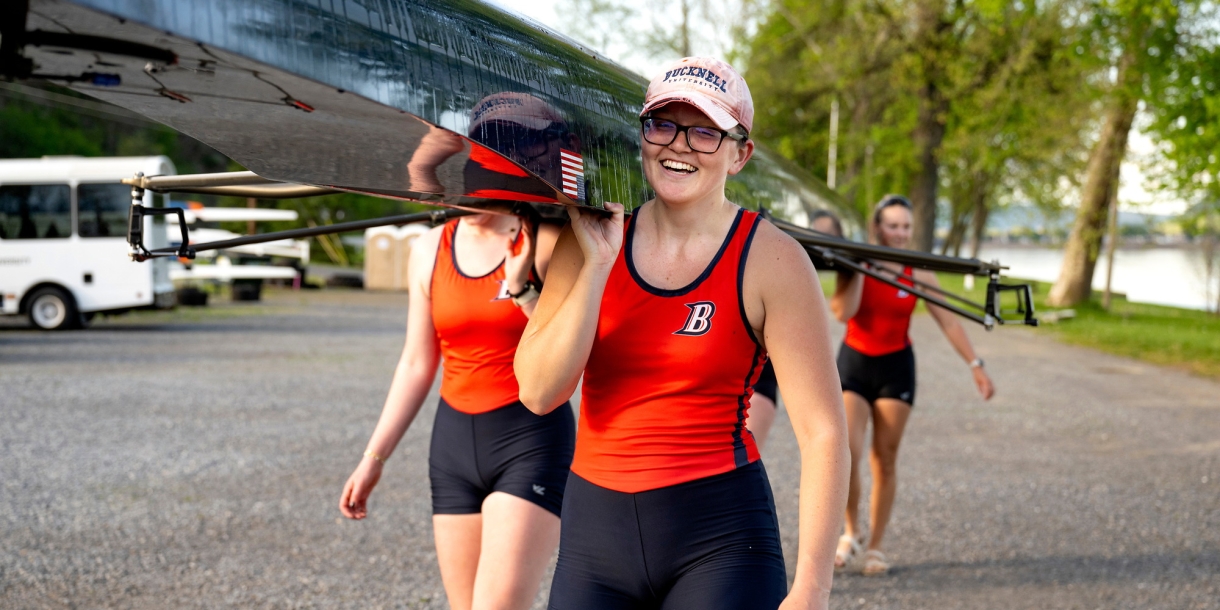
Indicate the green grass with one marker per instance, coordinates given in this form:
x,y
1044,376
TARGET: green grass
x,y
1182,338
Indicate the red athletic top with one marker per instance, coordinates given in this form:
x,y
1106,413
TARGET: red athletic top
x,y
479,328
670,375
880,325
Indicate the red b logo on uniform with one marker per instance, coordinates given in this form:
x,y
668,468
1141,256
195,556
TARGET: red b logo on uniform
x,y
503,293
699,321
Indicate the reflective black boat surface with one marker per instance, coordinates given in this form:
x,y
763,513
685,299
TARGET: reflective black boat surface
x,y
452,102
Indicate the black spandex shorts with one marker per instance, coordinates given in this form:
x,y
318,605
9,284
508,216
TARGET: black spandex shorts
x,y
889,376
767,384
708,544
510,450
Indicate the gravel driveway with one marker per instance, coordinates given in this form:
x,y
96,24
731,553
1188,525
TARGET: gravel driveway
x,y
195,459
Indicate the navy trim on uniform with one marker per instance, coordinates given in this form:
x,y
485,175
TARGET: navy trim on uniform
x,y
741,280
453,255
741,457
767,384
677,292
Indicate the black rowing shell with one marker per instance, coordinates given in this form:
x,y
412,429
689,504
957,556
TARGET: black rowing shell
x,y
449,102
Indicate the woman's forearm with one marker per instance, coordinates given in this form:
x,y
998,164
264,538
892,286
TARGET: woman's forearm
x,y
846,300
407,393
553,351
956,335
825,465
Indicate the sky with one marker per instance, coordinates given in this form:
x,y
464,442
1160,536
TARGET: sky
x,y
546,12
542,11
1133,194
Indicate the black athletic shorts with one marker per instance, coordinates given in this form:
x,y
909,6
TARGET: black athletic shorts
x,y
888,376
767,384
510,449
708,544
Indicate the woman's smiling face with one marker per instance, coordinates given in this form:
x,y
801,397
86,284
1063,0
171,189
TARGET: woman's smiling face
x,y
894,226
681,175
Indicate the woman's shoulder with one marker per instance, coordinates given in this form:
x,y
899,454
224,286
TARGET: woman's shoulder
x,y
776,263
423,249
431,239
773,245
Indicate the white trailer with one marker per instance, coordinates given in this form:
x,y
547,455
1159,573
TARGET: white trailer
x,y
63,249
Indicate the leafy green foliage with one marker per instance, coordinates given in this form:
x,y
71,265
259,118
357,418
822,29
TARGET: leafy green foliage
x,y
33,131
1186,113
32,127
667,29
807,54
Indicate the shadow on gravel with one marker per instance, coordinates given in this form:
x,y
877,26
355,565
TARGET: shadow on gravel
x,y
1055,570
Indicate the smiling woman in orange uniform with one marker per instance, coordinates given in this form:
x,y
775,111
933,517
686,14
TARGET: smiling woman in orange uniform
x,y
669,317
877,369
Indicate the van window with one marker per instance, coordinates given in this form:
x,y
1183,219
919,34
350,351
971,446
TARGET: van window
x,y
35,211
101,210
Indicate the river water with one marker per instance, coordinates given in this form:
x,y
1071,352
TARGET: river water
x,y
1163,276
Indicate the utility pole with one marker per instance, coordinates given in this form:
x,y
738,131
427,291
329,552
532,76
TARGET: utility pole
x,y
834,143
685,28
250,203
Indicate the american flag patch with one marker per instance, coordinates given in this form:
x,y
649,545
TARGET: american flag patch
x,y
573,174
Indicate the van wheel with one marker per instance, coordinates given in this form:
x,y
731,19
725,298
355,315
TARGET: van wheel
x,y
54,309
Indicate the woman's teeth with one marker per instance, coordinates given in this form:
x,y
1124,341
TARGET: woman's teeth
x,y
678,166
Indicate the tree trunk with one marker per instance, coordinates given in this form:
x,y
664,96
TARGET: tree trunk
x,y
1084,244
928,135
930,126
978,223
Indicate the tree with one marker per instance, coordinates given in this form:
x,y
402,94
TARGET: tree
x,y
932,92
1186,115
1142,38
1019,133
804,57
1186,126
628,32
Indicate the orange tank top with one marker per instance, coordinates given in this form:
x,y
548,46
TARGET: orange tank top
x,y
479,328
670,375
881,324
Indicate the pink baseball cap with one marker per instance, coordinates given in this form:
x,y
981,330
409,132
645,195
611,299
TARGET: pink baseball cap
x,y
708,84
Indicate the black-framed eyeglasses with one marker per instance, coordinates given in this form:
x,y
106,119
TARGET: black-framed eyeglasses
x,y
705,140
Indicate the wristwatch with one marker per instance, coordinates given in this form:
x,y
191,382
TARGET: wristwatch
x,y
529,293
977,363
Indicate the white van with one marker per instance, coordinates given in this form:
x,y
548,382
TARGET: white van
x,y
63,239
